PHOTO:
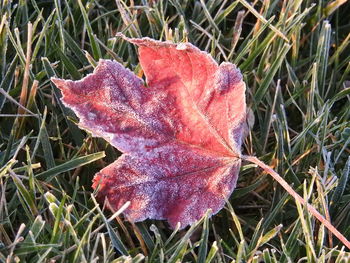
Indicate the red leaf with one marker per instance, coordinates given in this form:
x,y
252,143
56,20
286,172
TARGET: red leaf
x,y
181,135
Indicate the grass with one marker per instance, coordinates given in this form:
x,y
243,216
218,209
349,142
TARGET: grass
x,y
295,59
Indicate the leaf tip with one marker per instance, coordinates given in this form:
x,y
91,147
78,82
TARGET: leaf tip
x,y
59,83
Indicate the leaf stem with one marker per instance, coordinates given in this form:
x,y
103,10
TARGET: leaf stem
x,y
297,197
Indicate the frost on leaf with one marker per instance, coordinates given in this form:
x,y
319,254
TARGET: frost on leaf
x,y
180,136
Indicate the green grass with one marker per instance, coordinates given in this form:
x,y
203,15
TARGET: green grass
x,y
296,62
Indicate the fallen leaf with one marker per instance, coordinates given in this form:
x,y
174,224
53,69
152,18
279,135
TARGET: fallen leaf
x,y
180,134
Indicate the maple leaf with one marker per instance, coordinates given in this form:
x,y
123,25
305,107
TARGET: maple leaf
x,y
180,136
